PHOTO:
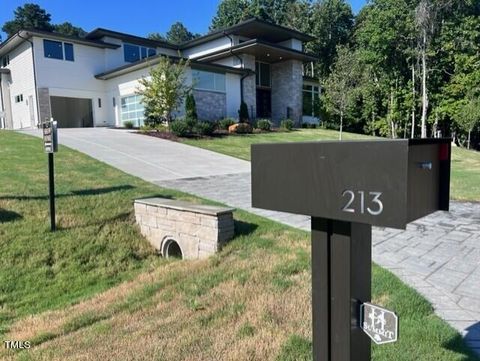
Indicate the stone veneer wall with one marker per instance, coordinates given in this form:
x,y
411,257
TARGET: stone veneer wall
x,y
287,90
210,105
249,86
44,104
199,230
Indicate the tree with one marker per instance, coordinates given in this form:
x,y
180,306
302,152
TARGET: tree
x,y
30,16
67,28
179,34
190,107
332,24
156,36
164,91
340,86
469,117
230,12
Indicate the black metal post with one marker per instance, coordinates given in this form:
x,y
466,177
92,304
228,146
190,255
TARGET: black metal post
x,y
51,188
341,281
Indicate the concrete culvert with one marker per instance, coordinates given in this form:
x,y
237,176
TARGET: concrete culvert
x,y
172,250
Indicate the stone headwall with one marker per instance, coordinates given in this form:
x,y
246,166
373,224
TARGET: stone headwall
x,y
199,230
210,105
287,90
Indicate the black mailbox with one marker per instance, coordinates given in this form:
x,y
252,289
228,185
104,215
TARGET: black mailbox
x,y
382,183
346,187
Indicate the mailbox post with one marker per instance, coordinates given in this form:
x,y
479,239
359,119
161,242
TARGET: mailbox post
x,y
50,143
346,187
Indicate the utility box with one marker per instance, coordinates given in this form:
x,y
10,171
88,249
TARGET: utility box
x,y
385,183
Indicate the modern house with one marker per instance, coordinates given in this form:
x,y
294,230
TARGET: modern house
x,y
92,81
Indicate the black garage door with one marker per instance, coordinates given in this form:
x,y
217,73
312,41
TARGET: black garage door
x,y
72,112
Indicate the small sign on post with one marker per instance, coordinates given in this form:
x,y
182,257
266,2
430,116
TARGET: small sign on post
x,y
380,324
50,144
50,140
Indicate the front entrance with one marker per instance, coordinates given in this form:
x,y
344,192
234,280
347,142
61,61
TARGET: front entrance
x,y
264,103
72,112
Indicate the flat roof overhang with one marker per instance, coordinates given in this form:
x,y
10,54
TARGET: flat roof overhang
x,y
4,71
152,61
252,28
262,50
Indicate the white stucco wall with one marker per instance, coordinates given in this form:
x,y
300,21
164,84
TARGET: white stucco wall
x,y
74,79
22,82
208,47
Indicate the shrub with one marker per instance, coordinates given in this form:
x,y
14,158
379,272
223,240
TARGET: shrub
x,y
313,125
305,125
204,128
243,113
190,107
287,124
264,124
191,122
180,128
225,123
128,124
161,128
243,128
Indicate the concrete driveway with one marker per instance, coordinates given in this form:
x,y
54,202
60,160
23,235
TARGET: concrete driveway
x,y
149,158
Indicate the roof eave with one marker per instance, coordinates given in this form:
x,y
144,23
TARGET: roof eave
x,y
254,42
231,29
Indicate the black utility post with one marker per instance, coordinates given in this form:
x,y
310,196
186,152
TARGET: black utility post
x,y
346,187
50,142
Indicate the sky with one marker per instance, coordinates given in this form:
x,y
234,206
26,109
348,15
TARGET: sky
x,y
139,17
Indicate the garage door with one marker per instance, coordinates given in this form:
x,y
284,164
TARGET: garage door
x,y
72,112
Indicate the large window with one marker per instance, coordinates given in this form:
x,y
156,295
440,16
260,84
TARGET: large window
x,y
206,80
311,101
134,53
58,50
132,110
262,74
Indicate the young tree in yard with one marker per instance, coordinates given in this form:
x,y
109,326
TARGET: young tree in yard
x,y
164,91
190,107
340,86
28,16
469,117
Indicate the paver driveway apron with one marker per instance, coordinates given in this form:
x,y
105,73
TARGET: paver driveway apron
x,y
146,157
438,255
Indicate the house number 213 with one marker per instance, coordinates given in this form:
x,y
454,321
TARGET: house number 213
x,y
374,206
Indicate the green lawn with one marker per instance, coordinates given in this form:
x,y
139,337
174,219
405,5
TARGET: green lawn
x,y
96,290
465,176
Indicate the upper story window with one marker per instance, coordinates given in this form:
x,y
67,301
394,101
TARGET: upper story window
x,y
262,74
206,80
5,61
58,50
19,98
134,53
